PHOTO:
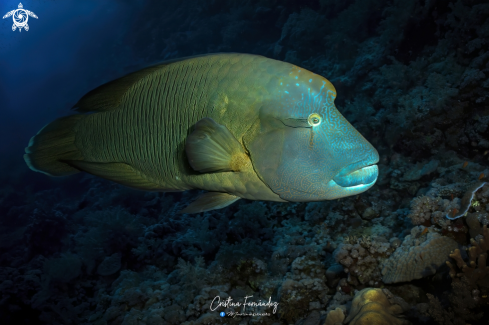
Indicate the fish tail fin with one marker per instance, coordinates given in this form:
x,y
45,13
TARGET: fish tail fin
x,y
53,147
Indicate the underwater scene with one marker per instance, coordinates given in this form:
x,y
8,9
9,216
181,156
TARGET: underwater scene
x,y
240,162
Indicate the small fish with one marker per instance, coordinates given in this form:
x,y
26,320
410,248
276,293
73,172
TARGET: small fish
x,y
452,196
454,212
425,230
481,176
465,164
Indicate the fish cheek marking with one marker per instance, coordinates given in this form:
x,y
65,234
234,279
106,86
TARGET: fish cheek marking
x,y
311,139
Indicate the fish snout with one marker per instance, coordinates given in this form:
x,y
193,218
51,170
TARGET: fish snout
x,y
362,172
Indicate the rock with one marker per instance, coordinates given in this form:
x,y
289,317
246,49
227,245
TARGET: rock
x,y
420,170
64,268
472,221
174,314
369,213
110,265
314,305
313,319
333,274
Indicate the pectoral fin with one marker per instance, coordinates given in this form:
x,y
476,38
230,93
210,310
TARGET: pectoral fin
x,y
212,148
210,201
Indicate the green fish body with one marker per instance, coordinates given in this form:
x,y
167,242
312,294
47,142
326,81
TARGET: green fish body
x,y
236,125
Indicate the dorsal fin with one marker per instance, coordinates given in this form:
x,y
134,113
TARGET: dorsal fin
x,y
109,96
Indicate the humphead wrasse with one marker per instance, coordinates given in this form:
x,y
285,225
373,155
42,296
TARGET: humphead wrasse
x,y
236,125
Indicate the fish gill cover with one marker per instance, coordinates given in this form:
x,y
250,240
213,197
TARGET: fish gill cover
x,y
410,79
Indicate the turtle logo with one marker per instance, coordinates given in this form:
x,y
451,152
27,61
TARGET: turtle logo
x,y
20,17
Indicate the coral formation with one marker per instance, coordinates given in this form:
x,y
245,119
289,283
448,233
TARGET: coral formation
x,y
418,256
475,272
363,259
335,317
470,285
411,76
422,208
372,306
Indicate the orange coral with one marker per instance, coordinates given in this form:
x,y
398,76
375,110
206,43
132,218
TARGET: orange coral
x,y
476,269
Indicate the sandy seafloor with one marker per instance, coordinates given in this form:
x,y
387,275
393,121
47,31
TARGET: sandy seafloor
x,y
411,77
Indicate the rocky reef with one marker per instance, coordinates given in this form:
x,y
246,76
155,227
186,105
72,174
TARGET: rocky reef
x,y
411,77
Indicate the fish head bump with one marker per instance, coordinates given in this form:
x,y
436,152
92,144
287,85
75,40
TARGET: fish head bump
x,y
303,148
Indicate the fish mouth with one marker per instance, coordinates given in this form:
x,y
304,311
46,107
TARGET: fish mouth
x,y
360,173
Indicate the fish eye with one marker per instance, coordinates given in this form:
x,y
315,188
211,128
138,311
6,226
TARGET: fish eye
x,y
314,119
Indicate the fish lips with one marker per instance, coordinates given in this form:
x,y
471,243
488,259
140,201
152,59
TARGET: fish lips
x,y
357,174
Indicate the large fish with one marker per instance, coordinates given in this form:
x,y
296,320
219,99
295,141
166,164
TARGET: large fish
x,y
236,125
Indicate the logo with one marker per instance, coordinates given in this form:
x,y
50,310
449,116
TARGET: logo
x,y
230,304
20,17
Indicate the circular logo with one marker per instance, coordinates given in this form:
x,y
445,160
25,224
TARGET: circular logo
x,y
20,17
222,314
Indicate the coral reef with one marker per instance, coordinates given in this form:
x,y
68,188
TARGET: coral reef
x,y
418,256
363,259
335,317
373,306
411,76
470,286
475,272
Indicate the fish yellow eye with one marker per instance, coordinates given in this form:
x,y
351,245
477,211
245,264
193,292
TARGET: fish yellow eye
x,y
314,119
